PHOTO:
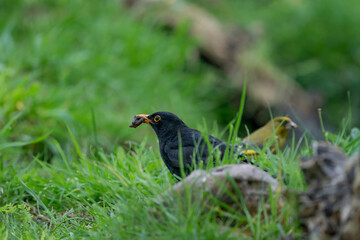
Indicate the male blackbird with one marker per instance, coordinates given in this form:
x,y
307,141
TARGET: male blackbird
x,y
171,131
278,127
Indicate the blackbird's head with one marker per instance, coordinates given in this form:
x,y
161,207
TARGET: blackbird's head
x,y
161,122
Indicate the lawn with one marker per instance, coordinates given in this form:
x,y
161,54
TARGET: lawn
x,y
72,76
93,194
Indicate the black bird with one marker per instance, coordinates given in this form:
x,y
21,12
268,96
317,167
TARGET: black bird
x,y
168,128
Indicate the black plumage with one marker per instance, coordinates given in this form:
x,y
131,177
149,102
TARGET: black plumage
x,y
171,131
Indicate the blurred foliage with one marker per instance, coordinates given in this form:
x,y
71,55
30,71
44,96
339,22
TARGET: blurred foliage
x,y
61,60
315,42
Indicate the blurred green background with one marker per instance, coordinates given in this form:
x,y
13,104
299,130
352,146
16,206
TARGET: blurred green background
x,y
62,60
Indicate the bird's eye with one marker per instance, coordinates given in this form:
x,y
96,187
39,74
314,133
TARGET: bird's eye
x,y
284,122
157,118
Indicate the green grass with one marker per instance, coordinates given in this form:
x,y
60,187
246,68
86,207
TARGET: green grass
x,y
112,196
101,195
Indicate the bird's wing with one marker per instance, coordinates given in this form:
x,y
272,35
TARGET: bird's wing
x,y
203,150
192,145
259,136
172,154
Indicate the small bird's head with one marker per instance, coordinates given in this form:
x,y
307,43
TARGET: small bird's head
x,y
161,122
282,125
